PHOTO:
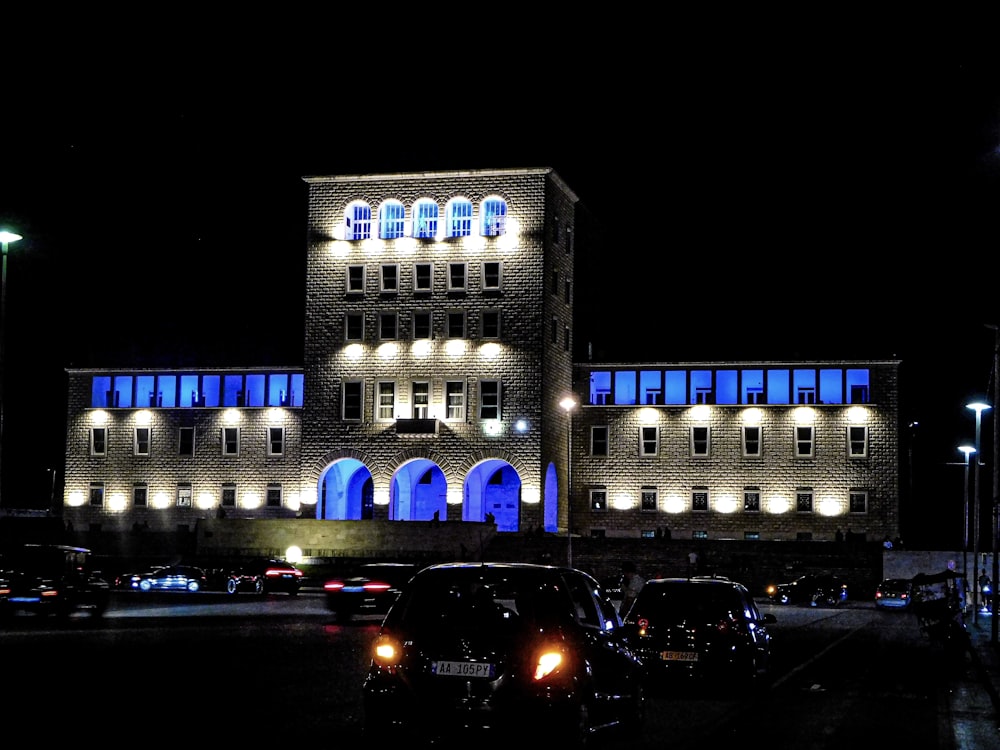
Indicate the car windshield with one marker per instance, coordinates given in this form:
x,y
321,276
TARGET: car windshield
x,y
475,598
678,602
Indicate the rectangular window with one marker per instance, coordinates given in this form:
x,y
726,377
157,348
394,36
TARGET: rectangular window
x,y
566,339
185,441
804,441
554,333
353,399
355,279
599,440
857,441
273,496
491,324
275,441
389,278
140,496
489,399
421,395
699,440
804,501
751,441
98,441
184,495
648,499
455,396
751,500
388,326
599,500
141,442
567,292
649,440
385,410
423,277
97,494
230,441
491,276
422,324
456,324
858,501
699,500
228,496
456,277
555,282
354,326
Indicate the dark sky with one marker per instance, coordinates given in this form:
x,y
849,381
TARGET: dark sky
x,y
769,187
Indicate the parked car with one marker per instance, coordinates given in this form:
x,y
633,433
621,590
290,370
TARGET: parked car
x,y
370,590
703,628
50,579
265,576
815,589
170,578
469,647
894,593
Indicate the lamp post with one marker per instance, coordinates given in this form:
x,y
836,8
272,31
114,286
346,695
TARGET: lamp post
x,y
979,407
5,239
569,404
967,450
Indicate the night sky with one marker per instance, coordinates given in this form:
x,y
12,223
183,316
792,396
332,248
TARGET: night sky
x,y
816,188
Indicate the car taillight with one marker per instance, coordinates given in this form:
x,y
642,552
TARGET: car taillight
x,y
376,586
272,572
548,660
387,651
333,585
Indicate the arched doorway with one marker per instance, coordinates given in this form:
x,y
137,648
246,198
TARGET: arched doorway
x,y
346,492
493,487
418,491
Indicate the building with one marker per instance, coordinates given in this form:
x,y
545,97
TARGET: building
x,y
438,385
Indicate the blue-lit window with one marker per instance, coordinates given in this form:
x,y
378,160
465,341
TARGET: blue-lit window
x,y
358,222
145,390
831,386
752,387
232,390
166,394
600,387
701,387
625,387
123,392
726,387
675,387
296,385
255,390
425,219
100,391
857,387
804,383
277,389
210,393
493,217
459,217
390,220
190,395
650,387
778,383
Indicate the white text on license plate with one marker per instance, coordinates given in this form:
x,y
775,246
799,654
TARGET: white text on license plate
x,y
679,655
462,669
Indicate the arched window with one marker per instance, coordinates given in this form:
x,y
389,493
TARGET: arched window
x,y
358,221
459,217
425,219
390,220
493,217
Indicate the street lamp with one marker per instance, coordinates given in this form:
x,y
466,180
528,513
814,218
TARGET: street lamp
x,y
5,239
979,407
966,449
569,404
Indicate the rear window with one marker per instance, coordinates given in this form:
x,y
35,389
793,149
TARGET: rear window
x,y
683,601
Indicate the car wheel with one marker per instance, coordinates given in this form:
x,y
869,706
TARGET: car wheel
x,y
145,585
783,599
232,586
193,586
258,586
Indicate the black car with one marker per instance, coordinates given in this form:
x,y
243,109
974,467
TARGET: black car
x,y
265,576
51,579
703,628
470,649
815,589
894,593
170,578
369,590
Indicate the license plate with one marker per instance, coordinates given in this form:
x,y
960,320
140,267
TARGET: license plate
x,y
462,669
679,655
